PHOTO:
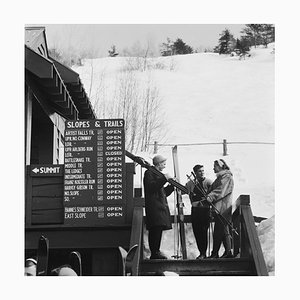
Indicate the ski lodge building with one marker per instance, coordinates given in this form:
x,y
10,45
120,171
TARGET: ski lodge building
x,y
54,93
54,98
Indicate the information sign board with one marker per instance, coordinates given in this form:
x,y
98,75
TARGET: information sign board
x,y
94,180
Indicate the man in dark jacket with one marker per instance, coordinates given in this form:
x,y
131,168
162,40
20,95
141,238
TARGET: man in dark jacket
x,y
158,216
200,213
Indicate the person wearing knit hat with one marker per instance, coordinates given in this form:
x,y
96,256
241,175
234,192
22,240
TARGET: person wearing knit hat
x,y
158,216
200,211
30,267
158,159
220,195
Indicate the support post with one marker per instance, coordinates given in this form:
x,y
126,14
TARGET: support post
x,y
225,147
155,147
28,124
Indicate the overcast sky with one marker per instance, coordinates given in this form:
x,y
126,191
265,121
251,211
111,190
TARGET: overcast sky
x,y
100,37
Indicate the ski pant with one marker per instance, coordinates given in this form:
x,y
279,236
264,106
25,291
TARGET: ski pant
x,y
154,238
200,224
221,234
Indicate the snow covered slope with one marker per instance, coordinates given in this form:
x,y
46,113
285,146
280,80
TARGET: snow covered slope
x,y
207,98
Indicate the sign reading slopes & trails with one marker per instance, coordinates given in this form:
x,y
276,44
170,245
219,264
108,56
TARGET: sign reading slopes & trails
x,y
94,180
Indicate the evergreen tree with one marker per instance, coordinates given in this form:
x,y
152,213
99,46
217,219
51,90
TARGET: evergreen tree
x,y
252,32
173,48
258,34
180,47
242,45
226,42
267,34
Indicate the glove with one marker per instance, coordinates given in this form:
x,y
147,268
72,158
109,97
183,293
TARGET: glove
x,y
208,199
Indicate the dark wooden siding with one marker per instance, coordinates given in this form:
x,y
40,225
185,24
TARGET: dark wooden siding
x,y
44,198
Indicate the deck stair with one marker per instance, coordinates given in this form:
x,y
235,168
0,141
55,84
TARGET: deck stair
x,y
248,257
193,267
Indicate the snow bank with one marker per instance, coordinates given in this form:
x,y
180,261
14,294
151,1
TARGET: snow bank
x,y
266,235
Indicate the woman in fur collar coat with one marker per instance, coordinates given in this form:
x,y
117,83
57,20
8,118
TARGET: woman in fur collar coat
x,y
220,195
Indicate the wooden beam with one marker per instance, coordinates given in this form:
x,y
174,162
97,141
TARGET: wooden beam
x,y
67,74
59,98
28,124
243,200
74,87
28,197
254,242
38,64
52,85
81,238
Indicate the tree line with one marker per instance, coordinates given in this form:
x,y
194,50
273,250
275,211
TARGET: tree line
x,y
252,35
134,95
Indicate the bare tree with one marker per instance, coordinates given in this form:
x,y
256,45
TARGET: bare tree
x,y
99,98
135,98
152,116
92,77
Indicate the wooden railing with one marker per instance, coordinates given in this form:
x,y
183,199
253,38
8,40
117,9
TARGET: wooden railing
x,y
247,244
137,234
224,143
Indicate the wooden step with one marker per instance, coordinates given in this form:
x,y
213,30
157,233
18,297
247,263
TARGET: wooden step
x,y
192,267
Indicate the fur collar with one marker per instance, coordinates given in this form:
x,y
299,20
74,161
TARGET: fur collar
x,y
223,172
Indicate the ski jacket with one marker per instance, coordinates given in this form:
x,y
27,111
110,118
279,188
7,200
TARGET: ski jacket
x,y
156,204
194,193
220,192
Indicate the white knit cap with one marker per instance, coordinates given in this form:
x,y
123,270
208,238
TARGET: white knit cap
x,y
158,159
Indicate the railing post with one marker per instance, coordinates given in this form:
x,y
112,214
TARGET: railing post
x,y
155,147
236,223
224,147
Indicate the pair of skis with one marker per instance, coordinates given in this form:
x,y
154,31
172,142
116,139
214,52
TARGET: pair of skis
x,y
43,256
127,259
139,160
179,204
179,188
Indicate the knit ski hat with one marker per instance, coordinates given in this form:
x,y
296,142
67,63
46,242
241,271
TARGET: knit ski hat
x,y
158,159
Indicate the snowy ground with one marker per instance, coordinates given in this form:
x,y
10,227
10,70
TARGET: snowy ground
x,y
207,98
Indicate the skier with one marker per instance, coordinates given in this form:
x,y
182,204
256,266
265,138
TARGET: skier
x,y
157,210
220,195
200,211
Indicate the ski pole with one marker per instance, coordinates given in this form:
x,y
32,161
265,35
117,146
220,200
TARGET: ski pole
x,y
222,218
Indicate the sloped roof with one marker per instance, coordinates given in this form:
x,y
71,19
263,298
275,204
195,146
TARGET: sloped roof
x,y
62,85
35,39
